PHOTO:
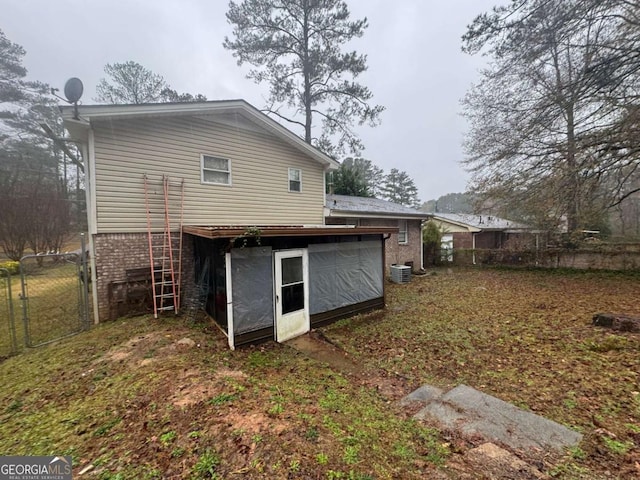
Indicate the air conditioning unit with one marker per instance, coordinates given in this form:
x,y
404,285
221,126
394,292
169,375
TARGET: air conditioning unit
x,y
400,274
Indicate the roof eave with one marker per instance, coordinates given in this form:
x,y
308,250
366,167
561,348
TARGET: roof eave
x,y
471,228
368,214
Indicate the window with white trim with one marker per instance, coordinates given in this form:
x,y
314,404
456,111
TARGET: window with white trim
x,y
295,180
216,170
403,234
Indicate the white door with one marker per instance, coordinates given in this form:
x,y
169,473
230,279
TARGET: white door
x,y
292,293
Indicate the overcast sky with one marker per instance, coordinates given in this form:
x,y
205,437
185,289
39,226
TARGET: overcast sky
x,y
416,69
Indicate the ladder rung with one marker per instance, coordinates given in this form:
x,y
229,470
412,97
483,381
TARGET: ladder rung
x,y
164,309
165,295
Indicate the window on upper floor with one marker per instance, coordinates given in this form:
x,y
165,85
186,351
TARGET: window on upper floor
x,y
216,170
295,180
403,234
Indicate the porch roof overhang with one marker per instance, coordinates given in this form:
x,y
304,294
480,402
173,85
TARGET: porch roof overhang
x,y
284,231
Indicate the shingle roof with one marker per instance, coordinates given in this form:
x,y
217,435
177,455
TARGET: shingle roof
x,y
366,205
483,222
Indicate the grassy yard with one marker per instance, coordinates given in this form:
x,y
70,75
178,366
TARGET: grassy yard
x,y
127,398
133,401
525,337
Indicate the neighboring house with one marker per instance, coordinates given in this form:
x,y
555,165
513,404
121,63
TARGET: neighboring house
x,y
471,231
249,195
402,248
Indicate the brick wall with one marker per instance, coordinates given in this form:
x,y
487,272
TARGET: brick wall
x,y
462,240
115,253
488,240
394,252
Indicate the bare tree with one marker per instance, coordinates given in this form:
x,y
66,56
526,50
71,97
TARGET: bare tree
x,y
543,127
35,210
34,207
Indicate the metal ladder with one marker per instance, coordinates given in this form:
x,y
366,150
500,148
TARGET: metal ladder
x,y
165,249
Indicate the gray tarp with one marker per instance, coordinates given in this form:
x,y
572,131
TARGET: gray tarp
x,y
252,283
342,274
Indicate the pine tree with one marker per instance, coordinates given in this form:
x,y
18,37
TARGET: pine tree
x,y
296,48
399,188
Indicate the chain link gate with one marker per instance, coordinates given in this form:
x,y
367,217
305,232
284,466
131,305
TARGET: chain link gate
x,y
8,337
54,296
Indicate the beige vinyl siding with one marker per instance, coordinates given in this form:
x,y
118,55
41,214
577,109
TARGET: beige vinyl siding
x,y
258,194
450,227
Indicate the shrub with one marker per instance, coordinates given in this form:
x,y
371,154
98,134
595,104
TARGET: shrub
x,y
11,266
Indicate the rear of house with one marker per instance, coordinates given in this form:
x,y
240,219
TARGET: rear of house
x,y
245,198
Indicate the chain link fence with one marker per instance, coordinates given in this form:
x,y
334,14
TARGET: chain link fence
x,y
8,336
48,300
54,296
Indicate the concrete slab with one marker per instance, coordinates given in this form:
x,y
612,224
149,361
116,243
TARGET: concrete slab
x,y
473,412
424,394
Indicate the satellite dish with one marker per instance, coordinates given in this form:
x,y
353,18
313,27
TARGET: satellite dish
x,y
73,89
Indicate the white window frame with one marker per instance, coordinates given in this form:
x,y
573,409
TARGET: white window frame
x,y
403,235
202,170
289,180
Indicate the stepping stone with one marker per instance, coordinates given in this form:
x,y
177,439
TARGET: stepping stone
x,y
474,412
424,394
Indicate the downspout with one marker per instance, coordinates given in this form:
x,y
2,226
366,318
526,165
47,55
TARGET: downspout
x,y
229,291
421,246
89,154
385,237
473,247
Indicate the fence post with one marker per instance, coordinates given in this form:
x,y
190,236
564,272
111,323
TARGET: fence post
x,y
12,323
85,280
24,299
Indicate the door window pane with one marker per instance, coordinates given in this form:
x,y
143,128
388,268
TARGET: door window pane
x,y
291,270
292,298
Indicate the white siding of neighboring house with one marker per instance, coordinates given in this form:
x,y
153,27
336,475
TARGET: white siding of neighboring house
x,y
451,227
125,149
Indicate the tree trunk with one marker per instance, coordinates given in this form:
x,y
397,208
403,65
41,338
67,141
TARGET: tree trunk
x,y
573,193
307,76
